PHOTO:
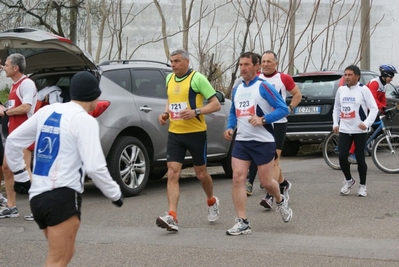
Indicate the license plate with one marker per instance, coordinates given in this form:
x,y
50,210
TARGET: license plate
x,y
307,110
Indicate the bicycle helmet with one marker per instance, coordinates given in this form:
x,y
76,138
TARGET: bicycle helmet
x,y
388,70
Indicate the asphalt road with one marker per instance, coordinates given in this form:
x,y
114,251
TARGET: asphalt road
x,y
327,229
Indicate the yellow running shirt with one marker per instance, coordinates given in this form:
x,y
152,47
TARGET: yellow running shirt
x,y
187,92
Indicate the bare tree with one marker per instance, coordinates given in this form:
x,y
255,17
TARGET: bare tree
x,y
209,53
285,40
56,16
248,16
255,25
88,27
104,15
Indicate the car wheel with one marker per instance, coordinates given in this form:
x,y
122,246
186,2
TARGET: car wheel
x,y
129,165
157,175
290,149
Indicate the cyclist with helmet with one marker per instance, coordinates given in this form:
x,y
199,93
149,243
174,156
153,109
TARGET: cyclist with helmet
x,y
378,89
377,85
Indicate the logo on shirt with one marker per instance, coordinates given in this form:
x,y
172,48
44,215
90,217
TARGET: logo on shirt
x,y
348,99
48,145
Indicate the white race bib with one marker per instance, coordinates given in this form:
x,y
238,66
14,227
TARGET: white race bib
x,y
175,108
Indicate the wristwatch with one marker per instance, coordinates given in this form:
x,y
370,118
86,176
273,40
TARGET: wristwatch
x,y
263,120
5,112
197,111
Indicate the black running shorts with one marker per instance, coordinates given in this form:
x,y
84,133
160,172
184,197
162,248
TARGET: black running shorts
x,y
280,130
195,143
56,206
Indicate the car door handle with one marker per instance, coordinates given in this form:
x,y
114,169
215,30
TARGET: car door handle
x,y
146,109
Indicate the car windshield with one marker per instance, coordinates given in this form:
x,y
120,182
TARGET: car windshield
x,y
392,91
318,86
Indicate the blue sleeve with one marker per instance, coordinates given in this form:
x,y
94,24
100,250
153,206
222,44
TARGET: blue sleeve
x,y
232,120
268,92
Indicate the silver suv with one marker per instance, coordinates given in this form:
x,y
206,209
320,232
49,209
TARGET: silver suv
x,y
133,95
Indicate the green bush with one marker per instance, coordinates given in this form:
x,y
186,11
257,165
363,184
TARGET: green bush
x,y
4,94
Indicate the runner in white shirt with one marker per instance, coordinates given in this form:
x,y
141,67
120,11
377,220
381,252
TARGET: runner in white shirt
x,y
67,148
285,85
355,110
255,106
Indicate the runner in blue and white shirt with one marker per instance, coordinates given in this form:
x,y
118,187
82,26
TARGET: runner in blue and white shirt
x,y
256,104
354,112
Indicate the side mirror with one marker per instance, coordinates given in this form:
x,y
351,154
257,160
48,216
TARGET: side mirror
x,y
220,96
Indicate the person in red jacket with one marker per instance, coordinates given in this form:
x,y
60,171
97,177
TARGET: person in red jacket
x,y
19,107
378,89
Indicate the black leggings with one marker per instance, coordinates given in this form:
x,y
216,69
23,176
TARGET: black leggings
x,y
344,144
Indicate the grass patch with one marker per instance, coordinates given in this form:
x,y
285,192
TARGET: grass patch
x,y
4,95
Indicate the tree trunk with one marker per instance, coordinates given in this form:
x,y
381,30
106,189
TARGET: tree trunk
x,y
104,14
88,28
365,35
73,18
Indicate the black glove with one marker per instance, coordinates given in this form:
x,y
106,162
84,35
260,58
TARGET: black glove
x,y
22,188
119,202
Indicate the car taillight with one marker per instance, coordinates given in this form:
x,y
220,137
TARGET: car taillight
x,y
102,105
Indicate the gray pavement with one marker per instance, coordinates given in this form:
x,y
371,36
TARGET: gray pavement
x,y
327,229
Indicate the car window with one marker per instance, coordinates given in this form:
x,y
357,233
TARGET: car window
x,y
367,77
64,81
318,86
149,83
119,76
391,91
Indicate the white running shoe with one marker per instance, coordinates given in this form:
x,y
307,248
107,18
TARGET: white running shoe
x,y
362,191
248,188
284,209
3,201
267,202
167,222
348,184
241,227
213,211
286,189
29,217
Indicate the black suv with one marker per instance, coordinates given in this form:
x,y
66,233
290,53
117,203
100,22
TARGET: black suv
x,y
311,120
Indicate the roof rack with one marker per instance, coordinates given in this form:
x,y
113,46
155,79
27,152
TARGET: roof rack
x,y
127,61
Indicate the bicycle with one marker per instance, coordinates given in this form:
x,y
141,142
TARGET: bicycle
x,y
382,145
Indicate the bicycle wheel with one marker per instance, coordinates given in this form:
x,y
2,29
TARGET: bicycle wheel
x,y
385,159
330,151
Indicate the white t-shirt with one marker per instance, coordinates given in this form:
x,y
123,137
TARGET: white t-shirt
x,y
67,147
53,92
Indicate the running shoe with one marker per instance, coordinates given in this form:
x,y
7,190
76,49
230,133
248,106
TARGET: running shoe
x,y
267,202
362,191
167,222
213,211
9,213
29,217
284,209
241,227
3,201
285,190
348,184
352,159
248,188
